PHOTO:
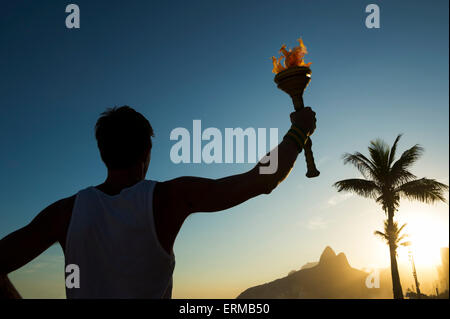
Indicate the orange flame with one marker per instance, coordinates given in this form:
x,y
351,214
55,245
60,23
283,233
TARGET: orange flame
x,y
293,57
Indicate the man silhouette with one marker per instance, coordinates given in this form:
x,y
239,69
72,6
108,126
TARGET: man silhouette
x,y
121,233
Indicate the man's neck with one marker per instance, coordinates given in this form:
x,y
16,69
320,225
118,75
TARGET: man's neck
x,y
118,180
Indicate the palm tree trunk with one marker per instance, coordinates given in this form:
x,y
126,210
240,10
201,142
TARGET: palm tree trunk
x,y
396,284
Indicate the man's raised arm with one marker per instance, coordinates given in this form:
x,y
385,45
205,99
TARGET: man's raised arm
x,y
194,194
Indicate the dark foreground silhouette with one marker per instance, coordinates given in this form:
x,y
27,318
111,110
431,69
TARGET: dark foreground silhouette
x,y
7,290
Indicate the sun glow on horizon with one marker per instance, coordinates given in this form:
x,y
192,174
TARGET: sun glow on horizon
x,y
428,232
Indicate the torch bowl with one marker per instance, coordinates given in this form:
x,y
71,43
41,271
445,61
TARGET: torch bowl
x,y
293,80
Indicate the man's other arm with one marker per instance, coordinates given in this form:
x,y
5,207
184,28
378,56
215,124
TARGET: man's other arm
x,y
25,244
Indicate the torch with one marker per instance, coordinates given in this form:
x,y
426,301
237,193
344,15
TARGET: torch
x,y
293,77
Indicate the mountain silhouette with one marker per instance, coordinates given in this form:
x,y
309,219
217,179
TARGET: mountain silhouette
x,y
327,255
331,277
308,265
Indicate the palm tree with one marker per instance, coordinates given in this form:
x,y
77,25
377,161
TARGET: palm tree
x,y
392,233
386,181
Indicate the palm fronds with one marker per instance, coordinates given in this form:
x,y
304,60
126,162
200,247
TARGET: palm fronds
x,y
358,186
424,190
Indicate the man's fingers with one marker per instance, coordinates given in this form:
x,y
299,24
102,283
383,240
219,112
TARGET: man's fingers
x,y
305,119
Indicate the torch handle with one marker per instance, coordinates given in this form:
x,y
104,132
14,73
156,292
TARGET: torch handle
x,y
309,156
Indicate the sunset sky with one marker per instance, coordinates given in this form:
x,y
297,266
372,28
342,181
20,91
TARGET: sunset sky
x,y
176,62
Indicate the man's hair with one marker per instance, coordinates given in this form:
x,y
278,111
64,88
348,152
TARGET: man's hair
x,y
123,137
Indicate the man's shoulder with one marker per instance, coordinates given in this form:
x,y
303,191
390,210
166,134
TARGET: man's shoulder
x,y
59,207
65,204
62,215
60,211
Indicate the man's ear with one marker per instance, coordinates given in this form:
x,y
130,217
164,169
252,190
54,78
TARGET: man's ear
x,y
146,160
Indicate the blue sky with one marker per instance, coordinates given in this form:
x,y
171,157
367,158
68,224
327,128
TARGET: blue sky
x,y
210,60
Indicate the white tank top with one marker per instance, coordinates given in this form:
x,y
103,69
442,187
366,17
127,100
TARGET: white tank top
x,y
113,241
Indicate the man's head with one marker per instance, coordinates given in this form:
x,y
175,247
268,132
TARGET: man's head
x,y
124,138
